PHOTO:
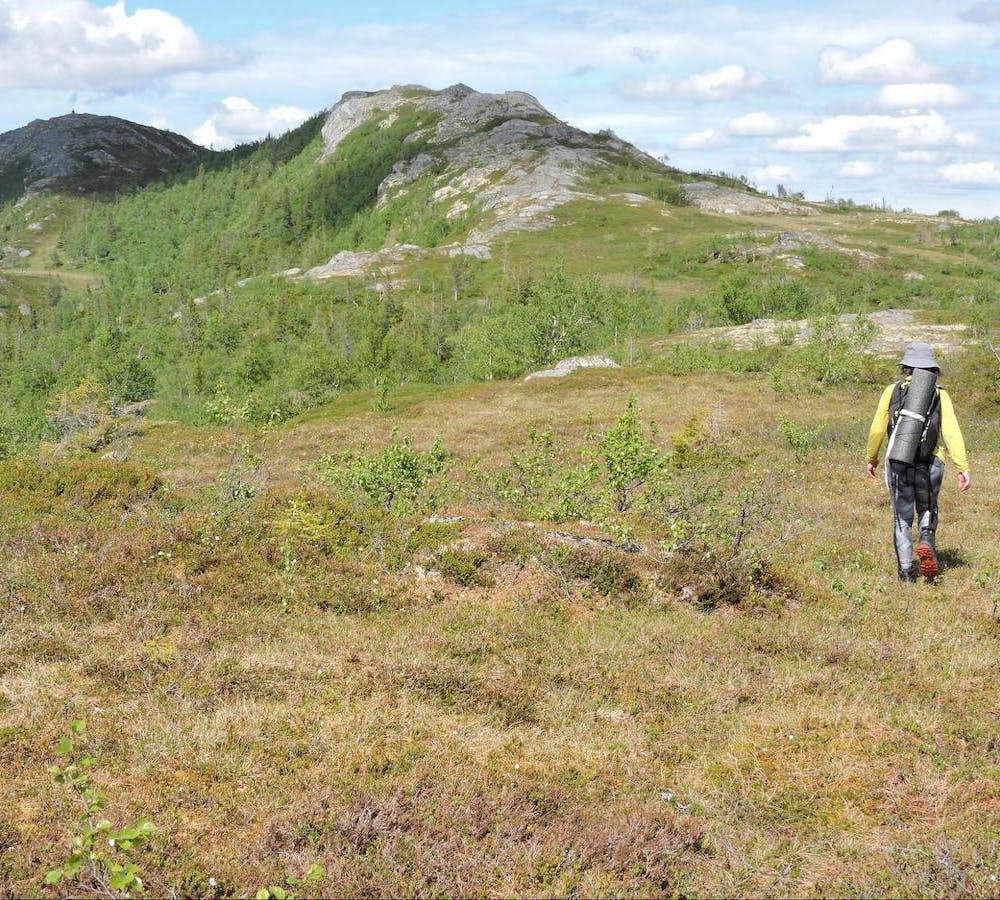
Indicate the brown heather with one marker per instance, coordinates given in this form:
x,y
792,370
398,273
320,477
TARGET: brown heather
x,y
537,716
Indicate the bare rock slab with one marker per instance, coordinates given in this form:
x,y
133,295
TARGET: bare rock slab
x,y
567,366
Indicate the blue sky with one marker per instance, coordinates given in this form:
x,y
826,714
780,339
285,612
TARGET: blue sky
x,y
896,100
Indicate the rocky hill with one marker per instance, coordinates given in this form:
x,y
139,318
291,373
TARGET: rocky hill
x,y
504,154
85,154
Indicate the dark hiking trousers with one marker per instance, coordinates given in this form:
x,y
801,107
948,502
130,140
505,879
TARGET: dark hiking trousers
x,y
914,489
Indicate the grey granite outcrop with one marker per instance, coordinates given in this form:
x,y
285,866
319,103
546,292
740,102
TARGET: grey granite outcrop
x,y
84,154
504,155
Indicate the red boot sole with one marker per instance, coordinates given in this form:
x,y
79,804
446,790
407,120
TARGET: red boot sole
x,y
928,563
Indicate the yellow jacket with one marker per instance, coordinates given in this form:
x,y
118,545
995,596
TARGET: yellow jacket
x,y
951,434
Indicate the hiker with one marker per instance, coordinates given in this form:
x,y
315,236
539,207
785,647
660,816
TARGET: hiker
x,y
917,418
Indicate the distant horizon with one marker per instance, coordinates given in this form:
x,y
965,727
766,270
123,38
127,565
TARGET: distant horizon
x,y
833,102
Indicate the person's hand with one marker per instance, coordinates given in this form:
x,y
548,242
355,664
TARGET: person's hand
x,y
872,466
964,481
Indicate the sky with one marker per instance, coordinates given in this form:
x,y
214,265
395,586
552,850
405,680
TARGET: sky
x,y
895,100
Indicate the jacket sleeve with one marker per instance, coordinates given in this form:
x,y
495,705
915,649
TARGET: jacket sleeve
x,y
952,434
876,434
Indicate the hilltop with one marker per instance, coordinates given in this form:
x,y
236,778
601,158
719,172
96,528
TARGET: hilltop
x,y
84,154
504,155
406,167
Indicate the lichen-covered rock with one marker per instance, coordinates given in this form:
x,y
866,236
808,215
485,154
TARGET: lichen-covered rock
x,y
350,263
894,328
476,251
567,366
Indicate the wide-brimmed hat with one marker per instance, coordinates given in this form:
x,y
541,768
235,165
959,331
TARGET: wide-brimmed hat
x,y
919,355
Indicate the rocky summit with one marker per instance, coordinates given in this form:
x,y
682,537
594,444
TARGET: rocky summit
x,y
86,154
505,153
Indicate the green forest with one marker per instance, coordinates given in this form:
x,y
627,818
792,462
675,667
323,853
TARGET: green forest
x,y
184,308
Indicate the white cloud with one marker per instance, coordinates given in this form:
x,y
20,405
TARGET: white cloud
x,y
702,140
773,174
847,132
659,88
719,84
973,174
859,168
73,44
755,124
896,62
924,95
236,120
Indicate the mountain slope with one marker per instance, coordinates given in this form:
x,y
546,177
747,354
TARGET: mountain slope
x,y
401,166
171,292
83,153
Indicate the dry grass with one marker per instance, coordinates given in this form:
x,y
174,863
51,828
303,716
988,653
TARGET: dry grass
x,y
543,729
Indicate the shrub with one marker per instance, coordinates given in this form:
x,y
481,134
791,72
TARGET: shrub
x,y
674,194
613,471
800,438
832,355
466,567
84,482
738,298
630,458
82,414
609,572
101,856
709,581
717,556
128,379
395,478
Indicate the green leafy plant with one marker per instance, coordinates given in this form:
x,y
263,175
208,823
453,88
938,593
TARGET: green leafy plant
x,y
101,855
800,438
833,354
394,479
525,477
314,874
716,553
616,472
629,457
537,481
465,567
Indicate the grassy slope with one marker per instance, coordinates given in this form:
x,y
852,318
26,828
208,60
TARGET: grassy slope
x,y
534,736
540,734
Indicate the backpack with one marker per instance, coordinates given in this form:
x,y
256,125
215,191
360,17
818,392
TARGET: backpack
x,y
932,428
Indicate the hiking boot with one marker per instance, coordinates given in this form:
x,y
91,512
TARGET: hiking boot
x,y
908,576
928,560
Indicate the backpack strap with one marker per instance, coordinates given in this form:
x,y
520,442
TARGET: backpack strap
x,y
935,402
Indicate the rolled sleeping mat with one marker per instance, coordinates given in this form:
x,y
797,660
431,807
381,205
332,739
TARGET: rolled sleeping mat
x,y
906,436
